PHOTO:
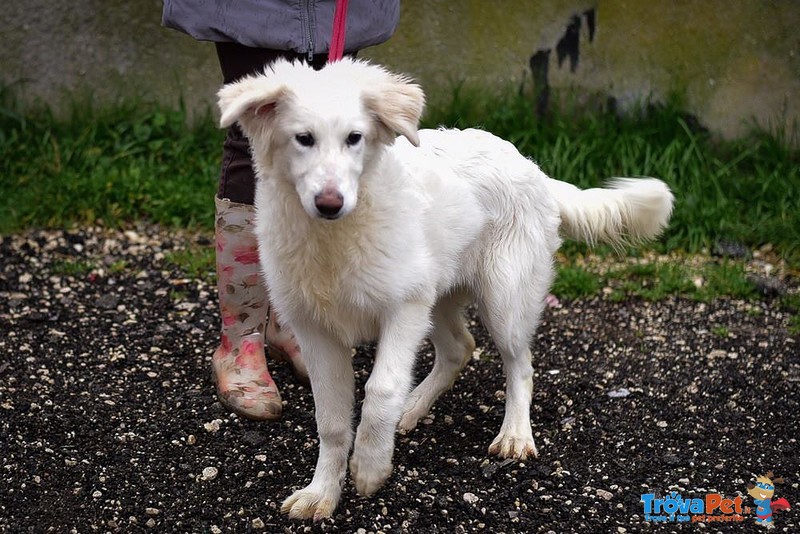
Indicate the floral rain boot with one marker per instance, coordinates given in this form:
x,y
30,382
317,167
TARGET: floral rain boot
x,y
239,367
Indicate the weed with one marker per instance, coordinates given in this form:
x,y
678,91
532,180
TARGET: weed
x,y
720,331
754,311
194,262
118,267
573,282
177,295
74,268
794,325
791,303
726,278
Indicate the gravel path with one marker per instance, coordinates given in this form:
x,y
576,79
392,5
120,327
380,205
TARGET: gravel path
x,y
108,420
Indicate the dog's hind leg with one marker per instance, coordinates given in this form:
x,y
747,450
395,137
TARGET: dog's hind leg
x,y
330,368
385,395
454,346
515,439
510,308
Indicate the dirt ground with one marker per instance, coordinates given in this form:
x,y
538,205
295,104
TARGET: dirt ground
x,y
109,422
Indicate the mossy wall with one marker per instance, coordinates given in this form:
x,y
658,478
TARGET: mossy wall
x,y
734,62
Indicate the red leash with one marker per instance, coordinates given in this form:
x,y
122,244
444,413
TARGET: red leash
x,y
336,50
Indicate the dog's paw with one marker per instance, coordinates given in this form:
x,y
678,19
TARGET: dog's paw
x,y
368,474
409,420
415,409
311,503
513,446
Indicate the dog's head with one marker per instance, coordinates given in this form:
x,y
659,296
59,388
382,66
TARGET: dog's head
x,y
321,129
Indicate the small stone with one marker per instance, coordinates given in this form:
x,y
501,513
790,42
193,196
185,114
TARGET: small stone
x,y
97,494
683,481
730,249
256,439
603,494
151,522
261,457
661,424
213,426
107,302
152,511
191,439
619,393
215,529
257,523
470,498
767,286
210,473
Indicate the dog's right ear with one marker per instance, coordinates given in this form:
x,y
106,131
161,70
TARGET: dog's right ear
x,y
250,100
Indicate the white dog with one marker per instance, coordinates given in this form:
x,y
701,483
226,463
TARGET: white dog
x,y
363,236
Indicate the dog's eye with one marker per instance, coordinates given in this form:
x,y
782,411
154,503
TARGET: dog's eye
x,y
353,138
305,139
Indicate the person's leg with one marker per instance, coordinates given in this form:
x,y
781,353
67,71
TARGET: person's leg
x,y
239,367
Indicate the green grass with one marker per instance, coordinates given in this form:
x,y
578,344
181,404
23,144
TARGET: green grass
x,y
141,161
794,325
132,161
194,262
575,282
720,331
74,268
655,281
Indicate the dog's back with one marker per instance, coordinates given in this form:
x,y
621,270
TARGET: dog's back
x,y
628,210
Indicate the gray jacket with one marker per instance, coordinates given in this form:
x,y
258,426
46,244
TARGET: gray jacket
x,y
303,26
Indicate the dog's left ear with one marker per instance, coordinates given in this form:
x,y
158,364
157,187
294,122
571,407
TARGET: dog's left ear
x,y
397,105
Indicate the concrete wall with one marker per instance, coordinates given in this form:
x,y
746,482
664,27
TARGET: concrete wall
x,y
736,61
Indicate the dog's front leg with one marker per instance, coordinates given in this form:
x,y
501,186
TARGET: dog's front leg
x,y
385,394
330,369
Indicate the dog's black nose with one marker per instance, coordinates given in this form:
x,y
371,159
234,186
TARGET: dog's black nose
x,y
329,203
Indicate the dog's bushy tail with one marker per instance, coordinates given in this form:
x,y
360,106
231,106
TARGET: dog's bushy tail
x,y
626,211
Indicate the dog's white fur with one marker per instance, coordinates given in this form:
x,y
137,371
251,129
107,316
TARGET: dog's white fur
x,y
429,223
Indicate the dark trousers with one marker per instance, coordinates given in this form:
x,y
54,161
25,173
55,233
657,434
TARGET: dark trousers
x,y
237,180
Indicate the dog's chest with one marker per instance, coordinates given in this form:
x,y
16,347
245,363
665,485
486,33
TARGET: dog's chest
x,y
344,274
